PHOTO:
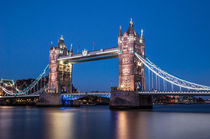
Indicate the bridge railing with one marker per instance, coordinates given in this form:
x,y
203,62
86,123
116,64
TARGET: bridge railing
x,y
73,96
175,93
91,53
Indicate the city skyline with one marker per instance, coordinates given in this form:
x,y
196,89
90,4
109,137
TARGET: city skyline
x,y
177,29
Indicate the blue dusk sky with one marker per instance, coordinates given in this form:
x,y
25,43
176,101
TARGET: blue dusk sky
x,y
177,36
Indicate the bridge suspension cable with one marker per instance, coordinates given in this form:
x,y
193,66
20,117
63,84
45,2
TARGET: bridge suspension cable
x,y
29,87
186,82
149,78
170,78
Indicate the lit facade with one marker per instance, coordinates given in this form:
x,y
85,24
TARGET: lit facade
x,y
131,70
60,73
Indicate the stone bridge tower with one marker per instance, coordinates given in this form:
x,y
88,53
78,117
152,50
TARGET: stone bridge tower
x,y
131,73
60,73
131,70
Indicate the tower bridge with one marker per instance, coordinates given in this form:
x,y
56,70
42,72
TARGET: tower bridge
x,y
131,70
131,91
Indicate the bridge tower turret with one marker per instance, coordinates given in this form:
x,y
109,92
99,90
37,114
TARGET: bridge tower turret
x,y
131,70
70,66
142,53
60,73
71,51
53,69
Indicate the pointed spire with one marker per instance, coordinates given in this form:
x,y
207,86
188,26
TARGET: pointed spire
x,y
71,50
61,43
61,38
137,35
131,28
142,36
131,22
142,31
51,47
120,33
71,47
58,46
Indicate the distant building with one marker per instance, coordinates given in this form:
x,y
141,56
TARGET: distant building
x,y
177,99
207,101
22,84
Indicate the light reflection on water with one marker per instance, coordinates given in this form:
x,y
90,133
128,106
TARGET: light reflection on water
x,y
128,124
59,125
98,122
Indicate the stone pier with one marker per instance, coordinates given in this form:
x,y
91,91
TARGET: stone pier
x,y
129,99
49,99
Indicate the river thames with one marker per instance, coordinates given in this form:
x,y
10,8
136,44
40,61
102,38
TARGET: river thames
x,y
99,122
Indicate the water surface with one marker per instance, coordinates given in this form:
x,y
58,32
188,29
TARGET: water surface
x,y
99,122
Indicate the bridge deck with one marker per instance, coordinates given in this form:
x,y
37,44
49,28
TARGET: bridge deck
x,y
23,96
108,94
83,94
176,93
91,55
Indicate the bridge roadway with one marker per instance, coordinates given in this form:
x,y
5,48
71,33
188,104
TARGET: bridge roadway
x,y
74,96
178,93
154,93
100,94
108,94
91,55
19,96
191,93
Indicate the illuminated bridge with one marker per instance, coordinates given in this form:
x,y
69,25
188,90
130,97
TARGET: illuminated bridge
x,y
74,96
91,56
132,74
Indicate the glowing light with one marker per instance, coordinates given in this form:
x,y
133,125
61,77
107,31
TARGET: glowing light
x,y
142,31
61,38
122,125
84,52
139,63
131,22
140,41
61,62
